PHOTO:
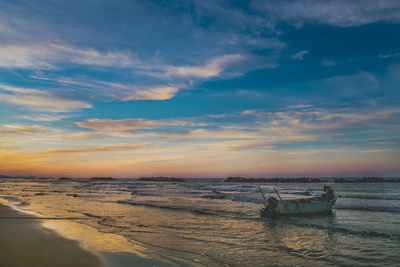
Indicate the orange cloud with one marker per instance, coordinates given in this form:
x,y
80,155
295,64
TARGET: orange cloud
x,y
107,148
126,124
11,129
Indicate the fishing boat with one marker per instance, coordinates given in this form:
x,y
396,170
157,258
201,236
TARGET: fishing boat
x,y
321,203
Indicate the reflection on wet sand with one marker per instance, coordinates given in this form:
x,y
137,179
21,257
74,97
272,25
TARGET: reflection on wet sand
x,y
23,242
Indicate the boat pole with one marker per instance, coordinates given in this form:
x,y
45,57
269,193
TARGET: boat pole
x,y
262,193
276,191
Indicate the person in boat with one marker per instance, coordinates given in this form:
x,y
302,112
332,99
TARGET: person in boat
x,y
329,192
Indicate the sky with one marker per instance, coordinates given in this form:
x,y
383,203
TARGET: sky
x,y
219,88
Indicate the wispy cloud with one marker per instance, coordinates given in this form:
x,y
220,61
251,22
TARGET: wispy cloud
x,y
329,63
152,93
214,134
48,56
314,120
90,56
338,13
126,124
44,117
40,100
19,90
12,129
20,56
98,134
212,68
45,102
92,149
389,55
299,55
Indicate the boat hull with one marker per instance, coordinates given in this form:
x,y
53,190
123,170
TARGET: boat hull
x,y
300,207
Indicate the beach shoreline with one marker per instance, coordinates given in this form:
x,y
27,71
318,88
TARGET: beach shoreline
x,y
29,240
25,242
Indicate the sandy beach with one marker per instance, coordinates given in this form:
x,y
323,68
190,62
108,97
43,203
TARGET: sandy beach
x,y
24,242
28,240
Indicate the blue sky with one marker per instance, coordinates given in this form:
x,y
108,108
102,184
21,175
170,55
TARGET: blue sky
x,y
200,88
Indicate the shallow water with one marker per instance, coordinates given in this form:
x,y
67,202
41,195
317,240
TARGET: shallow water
x,y
220,221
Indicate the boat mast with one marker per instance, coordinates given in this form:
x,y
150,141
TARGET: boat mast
x,y
276,191
262,193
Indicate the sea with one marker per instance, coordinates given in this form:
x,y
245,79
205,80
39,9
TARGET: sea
x,y
209,222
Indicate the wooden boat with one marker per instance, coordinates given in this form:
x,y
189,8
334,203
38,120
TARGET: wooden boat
x,y
298,207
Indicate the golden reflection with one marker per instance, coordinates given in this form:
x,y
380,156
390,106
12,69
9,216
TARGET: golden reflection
x,y
93,240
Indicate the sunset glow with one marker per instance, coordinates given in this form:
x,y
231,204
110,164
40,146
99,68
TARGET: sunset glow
x,y
197,89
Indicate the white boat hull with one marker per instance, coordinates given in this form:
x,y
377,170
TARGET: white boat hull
x,y
304,206
298,207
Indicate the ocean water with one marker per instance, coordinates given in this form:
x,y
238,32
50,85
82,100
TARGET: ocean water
x,y
209,222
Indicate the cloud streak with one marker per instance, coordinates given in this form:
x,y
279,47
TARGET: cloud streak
x,y
44,102
125,124
152,93
44,117
299,55
212,68
337,13
92,149
12,129
48,56
40,100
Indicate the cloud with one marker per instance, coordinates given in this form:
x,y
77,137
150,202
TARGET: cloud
x,y
12,129
152,93
44,117
92,149
299,55
389,55
45,102
98,135
214,134
19,90
217,116
268,143
124,125
329,63
20,56
322,123
210,69
161,89
94,57
49,56
40,100
337,13
301,106
248,112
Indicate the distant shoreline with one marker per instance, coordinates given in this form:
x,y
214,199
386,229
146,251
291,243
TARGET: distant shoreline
x,y
237,179
311,180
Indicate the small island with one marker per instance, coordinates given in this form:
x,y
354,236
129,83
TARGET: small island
x,y
65,179
272,180
367,180
161,179
102,179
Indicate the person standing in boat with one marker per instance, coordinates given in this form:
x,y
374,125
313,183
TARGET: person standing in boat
x,y
329,192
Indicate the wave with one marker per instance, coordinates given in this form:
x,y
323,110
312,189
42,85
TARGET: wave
x,y
368,208
369,196
344,230
214,195
197,211
187,209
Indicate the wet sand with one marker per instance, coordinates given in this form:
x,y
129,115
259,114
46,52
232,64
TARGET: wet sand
x,y
24,242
